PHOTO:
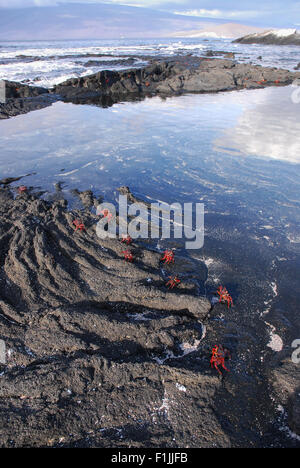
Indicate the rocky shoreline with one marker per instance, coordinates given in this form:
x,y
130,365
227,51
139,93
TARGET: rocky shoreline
x,y
172,77
101,354
281,37
87,335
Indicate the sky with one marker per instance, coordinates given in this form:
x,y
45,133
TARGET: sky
x,y
270,12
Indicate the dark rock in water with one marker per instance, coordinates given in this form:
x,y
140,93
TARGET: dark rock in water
x,y
9,180
259,58
87,198
14,107
272,37
285,380
130,197
21,98
105,63
59,186
124,190
294,412
230,55
171,77
218,53
297,67
17,90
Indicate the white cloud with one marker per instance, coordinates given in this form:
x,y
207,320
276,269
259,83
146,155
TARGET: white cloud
x,y
268,127
28,3
219,14
67,16
143,3
136,3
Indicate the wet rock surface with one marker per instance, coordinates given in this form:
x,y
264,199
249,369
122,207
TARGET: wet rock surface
x,y
21,99
18,106
101,354
286,391
120,62
14,90
180,75
173,77
83,331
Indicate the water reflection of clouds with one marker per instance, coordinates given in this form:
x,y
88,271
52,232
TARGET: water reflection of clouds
x,y
87,145
270,128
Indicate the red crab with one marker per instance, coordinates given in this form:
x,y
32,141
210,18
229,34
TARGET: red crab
x,y
173,282
168,257
218,357
224,296
106,214
127,255
79,225
126,240
261,81
22,189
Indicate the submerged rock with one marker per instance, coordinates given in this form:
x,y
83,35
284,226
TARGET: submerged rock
x,y
230,55
21,99
100,63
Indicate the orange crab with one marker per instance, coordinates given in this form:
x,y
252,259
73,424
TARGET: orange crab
x,y
173,282
127,255
106,214
126,240
168,257
79,225
224,296
218,357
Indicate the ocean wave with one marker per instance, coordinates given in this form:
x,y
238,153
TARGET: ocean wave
x,y
51,62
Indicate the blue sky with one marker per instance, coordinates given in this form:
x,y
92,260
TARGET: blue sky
x,y
277,13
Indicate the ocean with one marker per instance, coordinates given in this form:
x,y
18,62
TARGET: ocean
x,y
51,62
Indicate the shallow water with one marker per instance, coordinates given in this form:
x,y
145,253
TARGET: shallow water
x,y
189,145
238,153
